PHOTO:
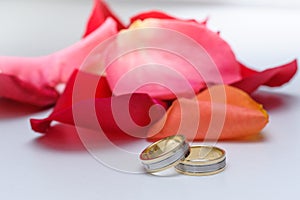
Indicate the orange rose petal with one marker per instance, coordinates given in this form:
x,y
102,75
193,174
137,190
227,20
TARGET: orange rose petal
x,y
234,96
242,116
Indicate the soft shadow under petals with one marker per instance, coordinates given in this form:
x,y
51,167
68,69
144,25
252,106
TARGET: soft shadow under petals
x,y
259,138
273,101
61,137
11,109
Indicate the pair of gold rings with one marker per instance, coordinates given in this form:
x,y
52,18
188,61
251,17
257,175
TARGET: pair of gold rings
x,y
174,151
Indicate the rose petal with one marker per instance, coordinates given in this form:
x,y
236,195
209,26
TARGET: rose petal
x,y
243,116
273,77
222,68
42,74
100,13
13,88
139,106
151,14
66,100
159,15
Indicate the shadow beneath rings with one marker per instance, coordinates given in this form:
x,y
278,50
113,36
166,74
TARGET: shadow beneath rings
x,y
169,173
11,109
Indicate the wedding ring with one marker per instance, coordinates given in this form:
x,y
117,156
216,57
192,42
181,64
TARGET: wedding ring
x,y
164,153
203,160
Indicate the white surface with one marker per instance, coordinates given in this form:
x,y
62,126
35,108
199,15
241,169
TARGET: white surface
x,y
57,166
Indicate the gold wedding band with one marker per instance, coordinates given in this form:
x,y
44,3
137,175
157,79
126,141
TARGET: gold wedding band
x,y
165,153
203,160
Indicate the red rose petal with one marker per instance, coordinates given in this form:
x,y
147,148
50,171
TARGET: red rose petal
x,y
98,16
159,15
139,106
151,14
273,77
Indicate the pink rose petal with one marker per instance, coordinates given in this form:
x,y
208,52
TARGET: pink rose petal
x,y
13,88
223,69
42,74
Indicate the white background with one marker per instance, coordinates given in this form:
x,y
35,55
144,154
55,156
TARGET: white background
x,y
57,166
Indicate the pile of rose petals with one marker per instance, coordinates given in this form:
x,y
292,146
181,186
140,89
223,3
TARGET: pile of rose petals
x,y
34,81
